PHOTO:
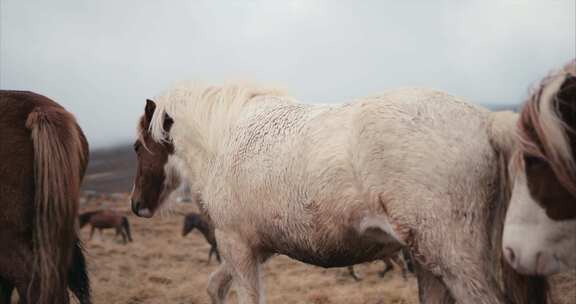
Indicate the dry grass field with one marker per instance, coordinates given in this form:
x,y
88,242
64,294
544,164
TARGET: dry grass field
x,y
162,267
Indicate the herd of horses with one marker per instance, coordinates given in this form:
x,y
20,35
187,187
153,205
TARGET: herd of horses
x,y
483,203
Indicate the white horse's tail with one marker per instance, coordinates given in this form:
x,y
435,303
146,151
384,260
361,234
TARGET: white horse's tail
x,y
502,131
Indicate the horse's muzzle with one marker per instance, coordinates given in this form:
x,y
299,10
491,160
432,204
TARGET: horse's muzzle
x,y
139,211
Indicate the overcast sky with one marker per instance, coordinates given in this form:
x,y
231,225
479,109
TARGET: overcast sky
x,y
102,59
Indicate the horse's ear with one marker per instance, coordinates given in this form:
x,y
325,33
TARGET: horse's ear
x,y
149,109
168,122
378,229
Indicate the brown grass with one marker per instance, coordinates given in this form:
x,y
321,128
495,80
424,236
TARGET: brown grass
x,y
160,266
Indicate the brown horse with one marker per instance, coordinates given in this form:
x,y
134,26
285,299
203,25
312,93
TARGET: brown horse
x,y
204,225
104,219
43,158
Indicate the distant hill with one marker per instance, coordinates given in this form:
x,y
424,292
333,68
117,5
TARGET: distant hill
x,y
514,108
111,170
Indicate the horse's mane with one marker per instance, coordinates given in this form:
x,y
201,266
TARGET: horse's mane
x,y
543,131
207,111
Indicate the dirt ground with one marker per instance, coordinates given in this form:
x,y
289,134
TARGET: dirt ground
x,y
161,266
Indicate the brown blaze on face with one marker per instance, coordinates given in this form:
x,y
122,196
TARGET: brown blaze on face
x,y
151,185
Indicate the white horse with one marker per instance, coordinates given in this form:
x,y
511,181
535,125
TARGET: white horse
x,y
540,229
338,185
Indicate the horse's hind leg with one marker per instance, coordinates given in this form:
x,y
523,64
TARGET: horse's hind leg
x,y
353,273
388,267
210,255
6,289
219,284
217,254
244,263
120,232
91,232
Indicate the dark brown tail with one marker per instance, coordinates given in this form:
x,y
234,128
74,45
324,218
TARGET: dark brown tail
x,y
59,162
78,280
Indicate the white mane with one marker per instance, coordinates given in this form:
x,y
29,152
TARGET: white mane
x,y
205,112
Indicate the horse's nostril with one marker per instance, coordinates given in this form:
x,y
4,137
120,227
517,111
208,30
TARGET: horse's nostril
x,y
510,255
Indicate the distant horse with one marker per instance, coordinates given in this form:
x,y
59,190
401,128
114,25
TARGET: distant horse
x,y
204,225
338,185
540,229
105,219
43,155
402,259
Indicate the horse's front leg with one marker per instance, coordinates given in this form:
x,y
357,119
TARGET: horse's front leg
x,y
219,284
353,273
244,263
122,234
388,267
431,289
210,255
91,232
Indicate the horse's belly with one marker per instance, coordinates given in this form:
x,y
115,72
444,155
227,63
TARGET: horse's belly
x,y
338,257
328,250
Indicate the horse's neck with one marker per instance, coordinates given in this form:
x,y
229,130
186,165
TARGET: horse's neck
x,y
197,145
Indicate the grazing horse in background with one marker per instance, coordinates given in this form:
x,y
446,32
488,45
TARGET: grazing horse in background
x,y
105,219
540,228
43,158
335,186
204,225
402,259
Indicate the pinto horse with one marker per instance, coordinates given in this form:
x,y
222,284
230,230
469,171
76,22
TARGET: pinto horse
x,y
540,228
201,222
339,185
44,155
105,219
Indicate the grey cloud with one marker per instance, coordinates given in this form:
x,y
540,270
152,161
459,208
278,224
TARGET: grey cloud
x,y
102,59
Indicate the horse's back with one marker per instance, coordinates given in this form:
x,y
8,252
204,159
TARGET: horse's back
x,y
404,133
106,219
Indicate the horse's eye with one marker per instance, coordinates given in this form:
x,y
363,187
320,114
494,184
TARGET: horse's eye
x,y
137,146
532,161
